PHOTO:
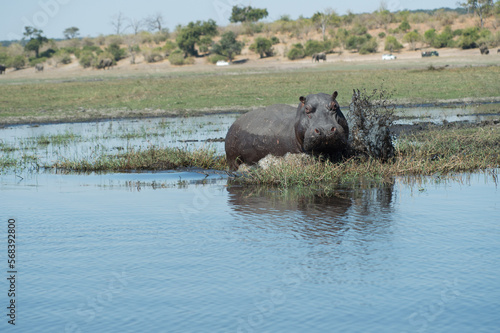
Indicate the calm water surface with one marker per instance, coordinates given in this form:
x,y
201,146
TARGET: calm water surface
x,y
178,252
184,252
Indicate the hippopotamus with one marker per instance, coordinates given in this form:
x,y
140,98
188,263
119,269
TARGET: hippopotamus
x,y
39,67
2,69
316,127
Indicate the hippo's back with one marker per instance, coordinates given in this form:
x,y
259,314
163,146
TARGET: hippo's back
x,y
261,132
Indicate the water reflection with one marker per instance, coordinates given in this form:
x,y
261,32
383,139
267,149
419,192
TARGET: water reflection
x,y
323,219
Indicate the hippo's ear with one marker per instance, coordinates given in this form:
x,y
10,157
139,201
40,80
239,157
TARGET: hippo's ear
x,y
334,95
302,99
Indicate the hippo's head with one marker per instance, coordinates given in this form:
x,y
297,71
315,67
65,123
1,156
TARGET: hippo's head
x,y
320,126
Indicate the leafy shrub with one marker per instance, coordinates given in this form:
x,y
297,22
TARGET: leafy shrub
x,y
392,44
35,61
176,58
381,34
62,57
114,39
17,62
216,57
275,40
160,36
47,53
313,46
86,58
297,52
404,26
358,30
116,52
262,46
370,46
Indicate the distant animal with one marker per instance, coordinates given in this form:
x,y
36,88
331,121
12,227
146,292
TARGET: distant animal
x,y
484,49
2,69
315,127
39,68
498,51
105,63
319,56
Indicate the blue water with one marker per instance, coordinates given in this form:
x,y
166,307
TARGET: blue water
x,y
178,252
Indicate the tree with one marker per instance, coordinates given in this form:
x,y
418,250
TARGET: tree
x,y
228,46
262,46
481,7
117,22
71,33
189,36
36,39
135,24
155,22
325,18
412,38
247,14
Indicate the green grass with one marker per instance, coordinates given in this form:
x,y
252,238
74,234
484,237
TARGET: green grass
x,y
153,158
201,91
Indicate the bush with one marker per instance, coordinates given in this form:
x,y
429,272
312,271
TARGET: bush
x,y
262,46
160,36
17,62
176,58
381,35
61,57
275,40
357,43
358,30
392,44
216,57
404,26
370,46
86,58
35,61
297,52
116,52
153,56
168,47
47,53
114,39
469,38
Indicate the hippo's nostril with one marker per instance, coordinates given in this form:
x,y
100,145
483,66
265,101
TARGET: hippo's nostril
x,y
316,130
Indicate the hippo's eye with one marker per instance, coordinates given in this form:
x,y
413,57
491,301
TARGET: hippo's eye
x,y
332,106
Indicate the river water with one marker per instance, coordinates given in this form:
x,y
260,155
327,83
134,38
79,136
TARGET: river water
x,y
184,251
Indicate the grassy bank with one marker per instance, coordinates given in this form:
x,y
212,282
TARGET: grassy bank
x,y
149,96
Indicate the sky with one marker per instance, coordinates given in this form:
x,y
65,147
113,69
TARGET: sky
x,y
93,17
